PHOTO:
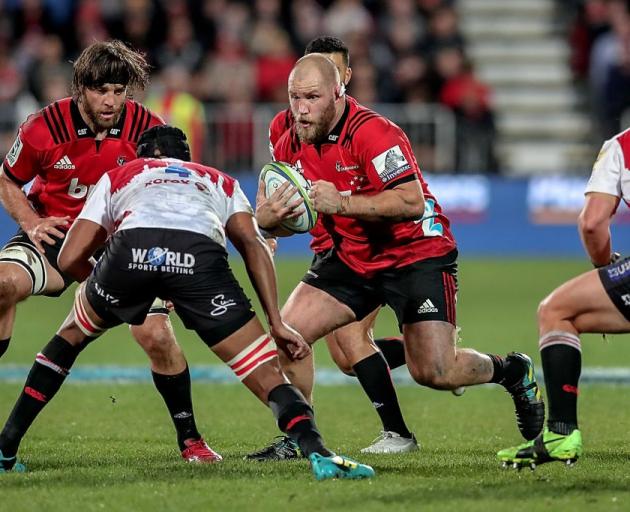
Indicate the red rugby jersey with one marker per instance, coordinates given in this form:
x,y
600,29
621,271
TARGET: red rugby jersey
x,y
282,122
366,154
57,149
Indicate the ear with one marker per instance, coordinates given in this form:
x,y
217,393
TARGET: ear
x,y
340,90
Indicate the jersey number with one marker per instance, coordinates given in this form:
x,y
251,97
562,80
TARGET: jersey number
x,y
430,226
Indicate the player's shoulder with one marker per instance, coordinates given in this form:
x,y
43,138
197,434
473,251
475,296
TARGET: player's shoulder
x,y
138,118
280,123
622,138
225,181
364,123
49,126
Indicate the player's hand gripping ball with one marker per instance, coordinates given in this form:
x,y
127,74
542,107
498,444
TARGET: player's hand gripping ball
x,y
274,175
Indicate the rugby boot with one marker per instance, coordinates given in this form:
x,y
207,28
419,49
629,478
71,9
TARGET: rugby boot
x,y
198,451
530,408
282,448
10,465
392,442
547,447
338,466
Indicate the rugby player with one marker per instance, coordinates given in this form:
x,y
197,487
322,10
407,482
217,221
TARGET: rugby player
x,y
65,148
352,347
392,243
597,301
180,214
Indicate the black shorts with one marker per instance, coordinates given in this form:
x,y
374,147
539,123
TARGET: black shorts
x,y
616,281
425,290
51,252
186,268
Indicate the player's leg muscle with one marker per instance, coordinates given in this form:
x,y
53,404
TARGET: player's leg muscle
x,y
581,305
434,360
352,343
157,339
252,355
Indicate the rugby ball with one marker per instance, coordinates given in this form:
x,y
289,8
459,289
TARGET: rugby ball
x,y
274,175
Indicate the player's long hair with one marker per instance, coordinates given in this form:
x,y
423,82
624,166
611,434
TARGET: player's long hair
x,y
110,62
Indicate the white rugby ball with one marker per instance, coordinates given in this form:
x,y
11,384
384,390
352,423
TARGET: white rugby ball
x,y
274,175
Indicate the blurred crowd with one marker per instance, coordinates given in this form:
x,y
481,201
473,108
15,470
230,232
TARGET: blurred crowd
x,y
600,43
237,54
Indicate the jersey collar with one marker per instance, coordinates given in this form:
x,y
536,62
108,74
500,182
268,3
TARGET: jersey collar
x,y
335,134
82,130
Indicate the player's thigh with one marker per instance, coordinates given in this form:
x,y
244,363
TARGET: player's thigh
x,y
423,297
24,271
329,296
597,301
86,319
430,346
314,312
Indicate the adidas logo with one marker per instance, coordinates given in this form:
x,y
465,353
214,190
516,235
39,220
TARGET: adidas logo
x,y
64,163
427,307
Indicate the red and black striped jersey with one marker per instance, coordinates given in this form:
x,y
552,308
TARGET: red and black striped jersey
x,y
282,122
365,154
58,151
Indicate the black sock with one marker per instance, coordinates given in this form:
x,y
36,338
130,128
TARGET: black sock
x,y
177,395
376,381
295,418
4,345
393,350
507,371
47,374
562,366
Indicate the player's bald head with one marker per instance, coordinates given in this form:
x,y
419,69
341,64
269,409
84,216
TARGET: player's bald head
x,y
315,67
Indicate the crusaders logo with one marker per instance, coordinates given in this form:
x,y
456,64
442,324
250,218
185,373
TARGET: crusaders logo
x,y
122,160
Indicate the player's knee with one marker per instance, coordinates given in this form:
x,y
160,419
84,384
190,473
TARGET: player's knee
x,y
547,311
155,339
431,375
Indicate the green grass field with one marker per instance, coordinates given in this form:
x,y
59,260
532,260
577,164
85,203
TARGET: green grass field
x,y
89,452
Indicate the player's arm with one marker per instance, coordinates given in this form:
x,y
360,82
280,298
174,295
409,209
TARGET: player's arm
x,y
82,241
88,233
242,231
17,206
401,202
594,226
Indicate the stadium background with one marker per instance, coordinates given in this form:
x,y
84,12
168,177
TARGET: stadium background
x,y
506,104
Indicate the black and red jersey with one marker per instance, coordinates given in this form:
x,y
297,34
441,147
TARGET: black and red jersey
x,y
58,151
366,154
282,122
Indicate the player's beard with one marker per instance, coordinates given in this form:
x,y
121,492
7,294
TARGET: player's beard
x,y
97,122
316,133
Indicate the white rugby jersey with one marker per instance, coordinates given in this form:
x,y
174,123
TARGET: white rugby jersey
x,y
168,194
611,171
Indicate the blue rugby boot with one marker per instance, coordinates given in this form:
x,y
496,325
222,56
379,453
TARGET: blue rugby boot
x,y
338,466
10,465
528,402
